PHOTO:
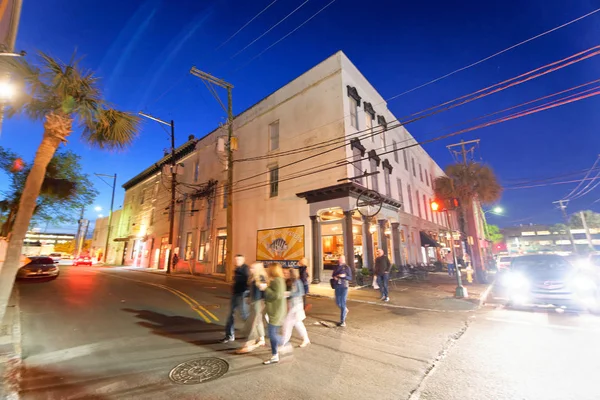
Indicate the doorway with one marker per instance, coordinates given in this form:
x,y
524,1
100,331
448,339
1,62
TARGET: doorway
x,y
221,251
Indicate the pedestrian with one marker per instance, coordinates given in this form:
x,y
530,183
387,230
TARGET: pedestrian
x,y
175,260
450,263
254,324
276,308
295,315
382,270
342,275
238,296
303,272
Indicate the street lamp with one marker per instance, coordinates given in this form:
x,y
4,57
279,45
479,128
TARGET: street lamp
x,y
496,210
110,214
7,91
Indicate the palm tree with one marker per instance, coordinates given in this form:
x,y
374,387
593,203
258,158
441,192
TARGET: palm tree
x,y
469,183
61,95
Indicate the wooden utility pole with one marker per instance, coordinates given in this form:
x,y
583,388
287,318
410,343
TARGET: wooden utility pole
x,y
587,230
209,80
562,204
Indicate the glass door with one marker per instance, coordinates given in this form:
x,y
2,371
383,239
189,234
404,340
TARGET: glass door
x,y
221,254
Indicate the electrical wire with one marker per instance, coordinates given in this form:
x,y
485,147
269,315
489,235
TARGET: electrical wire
x,y
270,29
246,24
497,87
572,193
288,34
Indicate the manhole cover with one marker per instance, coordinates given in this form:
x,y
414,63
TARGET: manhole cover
x,y
199,371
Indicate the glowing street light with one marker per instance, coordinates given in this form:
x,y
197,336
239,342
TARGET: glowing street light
x,y
7,91
496,210
98,208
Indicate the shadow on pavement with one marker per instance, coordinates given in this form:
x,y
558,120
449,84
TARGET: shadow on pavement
x,y
190,330
40,383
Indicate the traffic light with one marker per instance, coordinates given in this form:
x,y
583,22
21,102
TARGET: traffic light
x,y
454,203
435,206
17,165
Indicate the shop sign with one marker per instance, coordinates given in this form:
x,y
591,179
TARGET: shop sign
x,y
283,245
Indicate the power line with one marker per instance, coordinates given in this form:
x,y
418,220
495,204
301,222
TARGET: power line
x,y
572,193
294,30
270,29
246,24
493,55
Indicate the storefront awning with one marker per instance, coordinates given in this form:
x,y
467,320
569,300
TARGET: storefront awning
x,y
427,240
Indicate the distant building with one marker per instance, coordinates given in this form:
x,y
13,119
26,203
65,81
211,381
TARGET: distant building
x,y
544,238
115,248
42,243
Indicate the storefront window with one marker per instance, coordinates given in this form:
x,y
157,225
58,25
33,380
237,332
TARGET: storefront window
x,y
332,242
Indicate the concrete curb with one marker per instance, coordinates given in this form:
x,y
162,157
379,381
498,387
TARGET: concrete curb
x,y
188,277
12,361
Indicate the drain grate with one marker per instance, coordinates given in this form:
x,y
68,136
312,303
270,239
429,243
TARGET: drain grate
x,y
199,371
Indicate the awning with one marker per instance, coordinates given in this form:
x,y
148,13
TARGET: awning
x,y
427,240
121,239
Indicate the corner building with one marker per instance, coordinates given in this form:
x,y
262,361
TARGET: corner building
x,y
292,194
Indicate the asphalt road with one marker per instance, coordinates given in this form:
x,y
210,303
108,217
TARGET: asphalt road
x,y
100,333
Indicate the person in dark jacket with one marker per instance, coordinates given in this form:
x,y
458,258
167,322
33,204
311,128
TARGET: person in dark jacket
x,y
382,271
303,272
342,275
238,297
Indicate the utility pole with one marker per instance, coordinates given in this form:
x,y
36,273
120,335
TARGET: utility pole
x,y
587,230
110,216
562,204
463,151
461,291
173,185
231,146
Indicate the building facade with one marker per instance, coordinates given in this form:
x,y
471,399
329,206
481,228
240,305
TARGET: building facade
x,y
314,162
528,239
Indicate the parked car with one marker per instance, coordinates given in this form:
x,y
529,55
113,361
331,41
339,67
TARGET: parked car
x,y
83,260
550,280
503,263
38,267
56,256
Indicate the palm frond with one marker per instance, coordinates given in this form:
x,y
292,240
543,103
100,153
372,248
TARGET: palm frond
x,y
111,129
467,181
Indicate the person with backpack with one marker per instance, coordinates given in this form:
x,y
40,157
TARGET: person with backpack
x,y
238,297
341,277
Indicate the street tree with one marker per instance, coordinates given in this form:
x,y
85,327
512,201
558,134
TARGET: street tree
x,y
493,234
592,220
64,192
61,95
469,182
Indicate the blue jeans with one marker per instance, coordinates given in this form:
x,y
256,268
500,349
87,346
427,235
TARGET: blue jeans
x,y
382,281
341,295
238,300
274,338
451,270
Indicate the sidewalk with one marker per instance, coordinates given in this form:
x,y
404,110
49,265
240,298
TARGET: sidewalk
x,y
435,293
10,349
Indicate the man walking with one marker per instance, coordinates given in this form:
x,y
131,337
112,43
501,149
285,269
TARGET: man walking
x,y
382,271
341,276
238,297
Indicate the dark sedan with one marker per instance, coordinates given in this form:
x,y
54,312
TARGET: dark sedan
x,y
38,267
550,280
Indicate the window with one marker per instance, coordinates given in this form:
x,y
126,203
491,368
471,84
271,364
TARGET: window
x,y
188,246
413,167
202,247
225,190
388,186
410,199
273,181
193,206
421,172
196,170
405,156
426,178
419,205
274,136
142,196
431,179
425,207
357,162
209,206
151,217
369,125
353,112
374,184
400,197
395,147
383,140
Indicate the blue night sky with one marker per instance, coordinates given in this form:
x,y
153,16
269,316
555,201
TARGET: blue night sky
x,y
143,51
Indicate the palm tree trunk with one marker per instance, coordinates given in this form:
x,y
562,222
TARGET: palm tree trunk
x,y
476,259
31,191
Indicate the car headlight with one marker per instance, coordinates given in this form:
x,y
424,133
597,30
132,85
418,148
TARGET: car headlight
x,y
583,283
516,281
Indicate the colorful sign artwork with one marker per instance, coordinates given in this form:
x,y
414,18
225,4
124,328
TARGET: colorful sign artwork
x,y
283,245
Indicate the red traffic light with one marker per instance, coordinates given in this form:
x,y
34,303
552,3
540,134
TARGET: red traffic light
x,y
17,165
455,203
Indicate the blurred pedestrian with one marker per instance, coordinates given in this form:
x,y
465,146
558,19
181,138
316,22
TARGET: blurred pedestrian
x,y
342,276
449,258
303,271
295,315
238,296
382,271
276,308
254,325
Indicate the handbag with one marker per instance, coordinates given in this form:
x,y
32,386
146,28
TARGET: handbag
x,y
332,282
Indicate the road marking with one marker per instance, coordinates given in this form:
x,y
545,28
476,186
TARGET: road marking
x,y
551,326
194,305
